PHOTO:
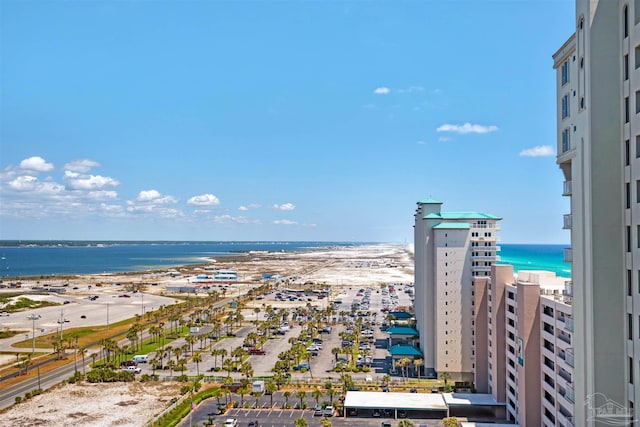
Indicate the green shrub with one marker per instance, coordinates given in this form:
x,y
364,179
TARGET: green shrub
x,y
18,399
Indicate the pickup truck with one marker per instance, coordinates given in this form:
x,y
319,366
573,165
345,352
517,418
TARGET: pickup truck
x,y
257,351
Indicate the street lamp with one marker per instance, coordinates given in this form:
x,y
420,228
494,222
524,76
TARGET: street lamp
x,y
33,318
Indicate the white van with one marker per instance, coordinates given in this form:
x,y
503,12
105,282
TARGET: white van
x,y
141,358
133,369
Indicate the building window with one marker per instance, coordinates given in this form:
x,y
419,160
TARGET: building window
x,y
626,153
628,238
582,106
629,278
625,67
565,106
637,101
630,326
637,56
625,23
581,62
627,195
637,148
631,370
636,9
565,140
565,72
626,109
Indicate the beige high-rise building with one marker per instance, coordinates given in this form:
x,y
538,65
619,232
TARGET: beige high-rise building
x,y
524,345
598,128
451,248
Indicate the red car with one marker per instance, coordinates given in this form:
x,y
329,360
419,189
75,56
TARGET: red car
x,y
257,351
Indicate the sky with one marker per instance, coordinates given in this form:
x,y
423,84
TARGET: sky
x,y
277,120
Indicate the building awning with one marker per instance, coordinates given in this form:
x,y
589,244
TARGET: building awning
x,y
404,350
402,330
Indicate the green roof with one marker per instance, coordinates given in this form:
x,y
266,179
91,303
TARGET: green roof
x,y
453,225
404,350
402,330
400,314
429,201
461,215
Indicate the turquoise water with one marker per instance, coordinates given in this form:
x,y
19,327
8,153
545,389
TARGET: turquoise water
x,y
536,257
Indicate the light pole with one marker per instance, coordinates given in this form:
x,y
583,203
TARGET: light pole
x,y
33,318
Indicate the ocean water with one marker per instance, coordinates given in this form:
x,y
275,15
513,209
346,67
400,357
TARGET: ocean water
x,y
40,258
60,258
536,257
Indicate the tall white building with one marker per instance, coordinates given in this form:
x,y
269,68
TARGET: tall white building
x,y
451,249
598,128
524,345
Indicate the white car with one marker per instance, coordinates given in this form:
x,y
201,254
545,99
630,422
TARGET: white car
x,y
4,314
230,422
133,369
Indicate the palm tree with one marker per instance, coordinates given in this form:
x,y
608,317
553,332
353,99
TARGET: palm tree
x,y
83,351
256,310
191,340
197,358
445,376
405,423
246,369
171,364
301,395
286,396
301,422
244,389
402,364
417,363
330,391
325,422
217,392
228,366
317,394
271,388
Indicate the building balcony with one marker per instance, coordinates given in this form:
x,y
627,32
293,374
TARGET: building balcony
x,y
568,255
566,189
568,324
567,219
493,258
568,357
564,337
485,248
481,268
490,226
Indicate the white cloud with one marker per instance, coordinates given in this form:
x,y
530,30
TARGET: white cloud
x,y
243,208
77,181
27,183
81,166
421,142
284,206
444,139
204,200
382,90
538,151
23,183
102,194
467,128
226,219
284,222
155,197
37,164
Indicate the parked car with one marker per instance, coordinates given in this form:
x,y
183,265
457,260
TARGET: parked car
x,y
301,367
328,411
83,317
133,369
318,411
257,351
230,422
4,314
253,424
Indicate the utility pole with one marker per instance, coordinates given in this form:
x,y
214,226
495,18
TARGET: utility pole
x,y
33,318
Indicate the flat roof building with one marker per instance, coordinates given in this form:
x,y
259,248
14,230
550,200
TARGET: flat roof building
x,y
451,248
524,345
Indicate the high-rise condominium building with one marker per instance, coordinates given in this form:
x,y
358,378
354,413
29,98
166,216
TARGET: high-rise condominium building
x,y
451,249
524,345
598,128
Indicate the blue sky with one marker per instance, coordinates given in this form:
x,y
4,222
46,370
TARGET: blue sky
x,y
277,120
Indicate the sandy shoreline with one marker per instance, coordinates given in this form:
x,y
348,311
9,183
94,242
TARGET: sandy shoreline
x,y
101,404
